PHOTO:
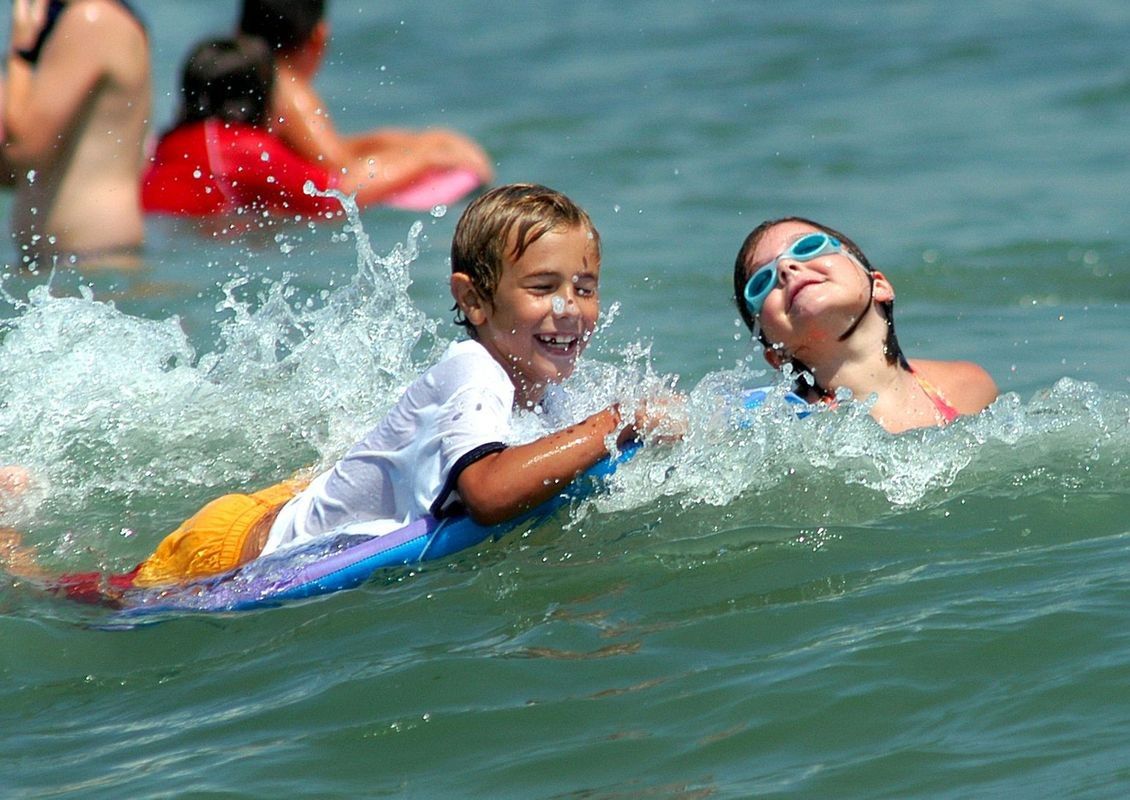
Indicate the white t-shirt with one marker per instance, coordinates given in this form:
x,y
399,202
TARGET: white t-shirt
x,y
451,416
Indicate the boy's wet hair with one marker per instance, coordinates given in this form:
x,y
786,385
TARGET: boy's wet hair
x,y
229,80
891,348
283,24
479,246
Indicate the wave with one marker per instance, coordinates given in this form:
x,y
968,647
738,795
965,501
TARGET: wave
x,y
127,429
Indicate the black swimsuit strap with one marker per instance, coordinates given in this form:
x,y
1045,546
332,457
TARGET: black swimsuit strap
x,y
54,9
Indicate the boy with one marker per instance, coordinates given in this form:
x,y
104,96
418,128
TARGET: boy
x,y
219,158
297,33
525,264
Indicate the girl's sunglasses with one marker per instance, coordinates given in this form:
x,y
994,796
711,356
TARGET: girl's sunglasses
x,y
806,248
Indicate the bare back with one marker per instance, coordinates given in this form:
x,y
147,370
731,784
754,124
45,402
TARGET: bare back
x,y
80,128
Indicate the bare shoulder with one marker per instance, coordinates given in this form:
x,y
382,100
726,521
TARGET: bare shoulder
x,y
295,93
103,29
102,15
299,118
964,384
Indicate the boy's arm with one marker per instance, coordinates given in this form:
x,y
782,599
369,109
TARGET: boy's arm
x,y
506,483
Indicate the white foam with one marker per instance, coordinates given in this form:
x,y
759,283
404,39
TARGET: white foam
x,y
127,428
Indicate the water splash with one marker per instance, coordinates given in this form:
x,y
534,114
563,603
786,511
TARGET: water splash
x,y
128,429
840,465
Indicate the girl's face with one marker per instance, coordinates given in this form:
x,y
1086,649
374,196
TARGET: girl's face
x,y
814,301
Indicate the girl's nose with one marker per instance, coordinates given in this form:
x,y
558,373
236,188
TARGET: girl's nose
x,y
786,269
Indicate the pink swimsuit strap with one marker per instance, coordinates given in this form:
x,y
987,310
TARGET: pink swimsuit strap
x,y
948,412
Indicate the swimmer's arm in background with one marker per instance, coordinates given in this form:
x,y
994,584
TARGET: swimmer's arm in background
x,y
373,164
378,174
300,119
7,171
42,100
389,160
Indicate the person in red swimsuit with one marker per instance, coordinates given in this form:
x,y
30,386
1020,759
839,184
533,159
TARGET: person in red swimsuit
x,y
812,298
392,158
220,159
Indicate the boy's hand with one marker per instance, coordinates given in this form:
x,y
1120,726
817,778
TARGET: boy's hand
x,y
661,420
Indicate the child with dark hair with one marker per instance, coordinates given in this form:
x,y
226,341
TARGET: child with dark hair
x,y
220,158
815,302
228,79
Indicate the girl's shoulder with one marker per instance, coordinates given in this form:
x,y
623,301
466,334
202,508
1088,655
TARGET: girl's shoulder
x,y
967,386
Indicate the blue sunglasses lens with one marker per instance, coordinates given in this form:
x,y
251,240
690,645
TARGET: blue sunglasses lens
x,y
764,279
759,285
810,246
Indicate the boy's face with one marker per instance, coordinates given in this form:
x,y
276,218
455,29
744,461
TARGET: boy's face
x,y
543,312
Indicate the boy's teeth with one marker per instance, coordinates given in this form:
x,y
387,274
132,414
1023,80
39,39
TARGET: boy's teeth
x,y
562,342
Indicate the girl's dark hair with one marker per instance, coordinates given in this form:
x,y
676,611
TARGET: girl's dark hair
x,y
229,80
891,348
283,24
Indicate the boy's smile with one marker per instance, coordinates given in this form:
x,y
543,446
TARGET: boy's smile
x,y
543,312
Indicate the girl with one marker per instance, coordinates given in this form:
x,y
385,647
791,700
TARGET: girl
x,y
809,294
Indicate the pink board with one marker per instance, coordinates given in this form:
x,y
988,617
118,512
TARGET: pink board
x,y
433,189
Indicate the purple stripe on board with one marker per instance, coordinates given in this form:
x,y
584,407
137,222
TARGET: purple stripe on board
x,y
351,555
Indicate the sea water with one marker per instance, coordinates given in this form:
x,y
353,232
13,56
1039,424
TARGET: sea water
x,y
773,607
